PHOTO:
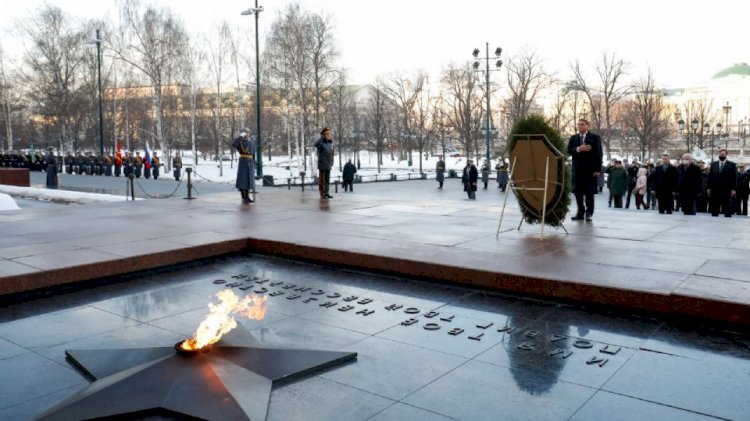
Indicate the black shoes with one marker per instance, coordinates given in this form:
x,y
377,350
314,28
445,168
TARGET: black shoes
x,y
588,218
577,218
328,196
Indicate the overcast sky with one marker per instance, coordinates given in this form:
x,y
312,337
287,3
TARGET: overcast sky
x,y
684,43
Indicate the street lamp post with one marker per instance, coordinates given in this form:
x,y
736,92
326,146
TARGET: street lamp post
x,y
259,152
694,126
498,64
727,112
98,42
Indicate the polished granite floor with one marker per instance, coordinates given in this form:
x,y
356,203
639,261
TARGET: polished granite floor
x,y
428,351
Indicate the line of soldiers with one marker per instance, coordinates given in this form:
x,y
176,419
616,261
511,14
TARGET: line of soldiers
x,y
32,161
91,164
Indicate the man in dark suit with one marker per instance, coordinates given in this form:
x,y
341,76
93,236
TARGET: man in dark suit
x,y
665,185
722,185
586,150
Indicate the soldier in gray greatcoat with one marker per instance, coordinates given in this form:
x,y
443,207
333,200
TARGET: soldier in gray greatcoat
x,y
325,162
440,172
51,162
245,146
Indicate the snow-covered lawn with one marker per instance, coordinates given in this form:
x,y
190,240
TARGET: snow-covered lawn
x,y
281,168
63,196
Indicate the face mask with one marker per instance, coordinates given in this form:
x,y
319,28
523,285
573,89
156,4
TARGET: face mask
x,y
721,158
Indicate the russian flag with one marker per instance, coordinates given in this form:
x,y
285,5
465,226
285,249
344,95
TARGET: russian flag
x,y
147,159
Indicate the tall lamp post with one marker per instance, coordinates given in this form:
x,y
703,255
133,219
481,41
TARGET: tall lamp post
x,y
487,70
98,42
727,112
259,153
693,125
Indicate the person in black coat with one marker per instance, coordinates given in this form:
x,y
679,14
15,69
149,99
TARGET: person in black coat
x,y
722,185
665,185
348,176
633,176
324,146
743,191
690,184
469,179
586,150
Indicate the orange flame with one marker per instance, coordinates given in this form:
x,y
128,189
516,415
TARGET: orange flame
x,y
220,318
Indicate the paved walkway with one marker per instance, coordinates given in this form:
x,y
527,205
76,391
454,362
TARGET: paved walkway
x,y
693,266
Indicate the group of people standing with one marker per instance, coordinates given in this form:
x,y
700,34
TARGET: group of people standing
x,y
719,188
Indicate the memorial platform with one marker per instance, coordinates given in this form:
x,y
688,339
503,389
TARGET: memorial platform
x,y
670,264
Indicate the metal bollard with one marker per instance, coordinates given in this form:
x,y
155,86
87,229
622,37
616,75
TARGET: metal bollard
x,y
131,178
336,186
302,175
288,183
189,170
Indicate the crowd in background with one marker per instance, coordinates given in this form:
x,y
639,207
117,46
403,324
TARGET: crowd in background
x,y
720,187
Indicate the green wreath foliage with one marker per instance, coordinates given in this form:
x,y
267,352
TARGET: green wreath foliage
x,y
536,124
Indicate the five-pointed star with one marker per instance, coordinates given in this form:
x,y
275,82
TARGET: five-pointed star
x,y
231,382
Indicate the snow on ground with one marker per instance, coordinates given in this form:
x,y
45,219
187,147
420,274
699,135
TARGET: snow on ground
x,y
281,167
63,196
7,203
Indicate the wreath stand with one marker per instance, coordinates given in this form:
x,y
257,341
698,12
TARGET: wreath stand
x,y
515,188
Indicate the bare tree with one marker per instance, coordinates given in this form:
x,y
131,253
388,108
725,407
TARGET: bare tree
x,y
603,94
377,110
526,80
153,40
53,62
8,99
301,54
218,60
423,119
192,74
338,115
646,115
404,89
463,108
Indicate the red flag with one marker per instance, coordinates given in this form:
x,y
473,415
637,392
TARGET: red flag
x,y
118,157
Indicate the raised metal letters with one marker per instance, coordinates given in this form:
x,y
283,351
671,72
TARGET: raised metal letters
x,y
597,360
580,343
328,304
531,333
477,337
365,312
346,308
273,284
262,281
527,346
411,310
455,331
393,307
611,351
293,297
258,291
484,325
409,322
565,354
507,329
289,286
276,293
245,288
318,292
351,298
303,289
431,314
431,326
447,318
365,301
555,338
309,300
333,295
